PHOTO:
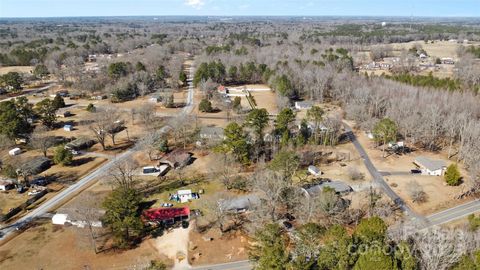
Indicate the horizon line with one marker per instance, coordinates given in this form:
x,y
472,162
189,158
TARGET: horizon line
x,y
292,16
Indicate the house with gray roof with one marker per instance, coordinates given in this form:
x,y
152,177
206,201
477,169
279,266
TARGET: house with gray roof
x,y
240,204
212,133
339,187
430,166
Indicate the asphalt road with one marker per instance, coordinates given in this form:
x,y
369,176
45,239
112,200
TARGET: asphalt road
x,y
63,195
380,182
74,189
453,213
240,265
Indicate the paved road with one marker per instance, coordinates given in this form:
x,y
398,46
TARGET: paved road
x,y
240,265
32,91
82,183
65,194
379,181
453,213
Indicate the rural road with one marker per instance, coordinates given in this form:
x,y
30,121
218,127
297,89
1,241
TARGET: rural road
x,y
63,195
32,91
378,178
436,219
240,265
82,183
453,213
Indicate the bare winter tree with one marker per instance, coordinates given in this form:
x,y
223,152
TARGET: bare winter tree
x,y
122,174
147,115
39,139
416,193
86,208
106,122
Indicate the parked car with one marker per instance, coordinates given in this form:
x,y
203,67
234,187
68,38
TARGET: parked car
x,y
74,152
415,171
21,189
167,204
40,181
287,225
33,192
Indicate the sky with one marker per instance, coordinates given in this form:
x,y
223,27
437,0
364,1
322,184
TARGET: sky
x,y
73,8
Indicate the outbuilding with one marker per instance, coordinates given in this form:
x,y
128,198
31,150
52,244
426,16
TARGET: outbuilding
x,y
303,105
313,170
15,151
339,187
68,127
59,219
6,184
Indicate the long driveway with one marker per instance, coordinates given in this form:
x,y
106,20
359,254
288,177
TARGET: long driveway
x,y
379,181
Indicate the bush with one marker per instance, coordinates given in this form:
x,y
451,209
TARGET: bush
x,y
58,102
474,222
452,175
9,171
62,156
355,174
416,193
91,108
205,106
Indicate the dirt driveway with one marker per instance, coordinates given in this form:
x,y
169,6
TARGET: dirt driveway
x,y
174,244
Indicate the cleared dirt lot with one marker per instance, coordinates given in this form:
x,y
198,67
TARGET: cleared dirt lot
x,y
53,247
19,69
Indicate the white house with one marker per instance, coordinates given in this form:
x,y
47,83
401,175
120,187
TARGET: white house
x,y
303,105
184,195
430,166
15,151
314,170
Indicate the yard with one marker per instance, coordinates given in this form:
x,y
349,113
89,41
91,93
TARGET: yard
x,y
439,195
48,246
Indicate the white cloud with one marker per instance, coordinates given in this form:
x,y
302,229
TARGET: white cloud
x,y
195,3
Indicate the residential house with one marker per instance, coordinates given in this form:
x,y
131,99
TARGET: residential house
x,y
212,133
176,159
339,187
239,204
430,166
34,166
167,216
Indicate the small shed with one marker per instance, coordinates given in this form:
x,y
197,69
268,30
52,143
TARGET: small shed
x,y
6,184
68,127
313,170
59,219
15,151
303,105
185,195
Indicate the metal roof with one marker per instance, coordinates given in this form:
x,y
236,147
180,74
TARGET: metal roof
x,y
338,186
430,164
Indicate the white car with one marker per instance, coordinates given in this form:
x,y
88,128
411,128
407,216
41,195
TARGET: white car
x,y
33,192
